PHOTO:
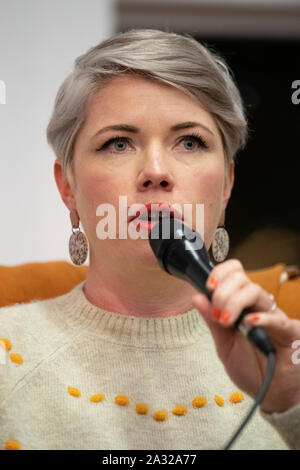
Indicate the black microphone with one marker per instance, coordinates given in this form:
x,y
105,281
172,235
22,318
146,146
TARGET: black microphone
x,y
181,252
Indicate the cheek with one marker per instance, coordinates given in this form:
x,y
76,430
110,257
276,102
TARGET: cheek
x,y
98,185
209,185
95,188
208,190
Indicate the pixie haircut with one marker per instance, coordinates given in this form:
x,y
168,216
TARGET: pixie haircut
x,y
175,59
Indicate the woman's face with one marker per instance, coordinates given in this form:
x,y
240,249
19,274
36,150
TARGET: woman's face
x,y
153,164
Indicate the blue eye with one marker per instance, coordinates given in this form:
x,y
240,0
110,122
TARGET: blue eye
x,y
192,137
110,141
196,138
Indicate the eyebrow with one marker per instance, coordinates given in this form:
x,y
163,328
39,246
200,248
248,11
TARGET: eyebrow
x,y
129,128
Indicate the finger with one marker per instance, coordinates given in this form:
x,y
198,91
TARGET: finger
x,y
204,306
279,326
222,270
223,337
226,290
250,296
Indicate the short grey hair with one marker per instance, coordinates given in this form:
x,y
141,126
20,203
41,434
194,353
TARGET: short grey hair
x,y
176,59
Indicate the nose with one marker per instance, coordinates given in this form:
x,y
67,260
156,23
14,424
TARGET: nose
x,y
155,173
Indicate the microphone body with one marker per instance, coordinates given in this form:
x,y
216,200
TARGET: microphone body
x,y
178,257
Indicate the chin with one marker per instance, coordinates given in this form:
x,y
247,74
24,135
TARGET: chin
x,y
141,248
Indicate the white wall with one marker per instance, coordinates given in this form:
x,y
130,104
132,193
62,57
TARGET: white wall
x,y
39,40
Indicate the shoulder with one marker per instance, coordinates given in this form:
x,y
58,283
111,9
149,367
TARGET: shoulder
x,y
30,333
34,327
24,332
21,315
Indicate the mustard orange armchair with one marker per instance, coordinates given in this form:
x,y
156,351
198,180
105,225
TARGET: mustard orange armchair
x,y
37,281
31,281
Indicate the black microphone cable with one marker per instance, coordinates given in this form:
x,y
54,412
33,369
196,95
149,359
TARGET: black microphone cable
x,y
170,242
262,391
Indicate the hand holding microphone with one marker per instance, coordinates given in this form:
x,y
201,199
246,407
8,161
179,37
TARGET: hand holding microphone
x,y
181,252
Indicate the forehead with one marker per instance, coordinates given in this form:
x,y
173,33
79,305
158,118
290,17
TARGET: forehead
x,y
132,97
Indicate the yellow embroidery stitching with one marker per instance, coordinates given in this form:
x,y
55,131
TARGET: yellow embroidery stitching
x,y
98,397
122,400
17,358
198,402
179,410
160,415
7,343
219,400
236,397
74,392
141,408
12,445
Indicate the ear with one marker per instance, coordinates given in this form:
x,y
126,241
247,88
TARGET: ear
x,y
63,185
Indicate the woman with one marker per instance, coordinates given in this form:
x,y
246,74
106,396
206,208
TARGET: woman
x,y
134,358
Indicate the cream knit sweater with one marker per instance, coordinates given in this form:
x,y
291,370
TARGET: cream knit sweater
x,y
74,376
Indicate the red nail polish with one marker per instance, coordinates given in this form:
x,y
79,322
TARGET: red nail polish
x,y
225,316
216,312
254,318
212,283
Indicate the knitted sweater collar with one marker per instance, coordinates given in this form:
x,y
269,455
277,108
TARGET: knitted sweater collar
x,y
146,332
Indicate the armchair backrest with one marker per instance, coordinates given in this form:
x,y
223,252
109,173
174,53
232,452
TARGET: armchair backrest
x,y
44,280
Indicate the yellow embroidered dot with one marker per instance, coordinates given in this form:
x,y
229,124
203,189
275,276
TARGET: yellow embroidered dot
x,y
219,400
198,402
122,400
12,445
141,408
6,343
236,397
160,415
179,410
98,397
17,358
74,392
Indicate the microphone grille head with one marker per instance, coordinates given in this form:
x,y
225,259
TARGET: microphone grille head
x,y
165,231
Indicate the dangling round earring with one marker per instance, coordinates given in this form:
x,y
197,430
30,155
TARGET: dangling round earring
x,y
220,244
78,245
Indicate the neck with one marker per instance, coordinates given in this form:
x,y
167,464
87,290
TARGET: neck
x,y
140,289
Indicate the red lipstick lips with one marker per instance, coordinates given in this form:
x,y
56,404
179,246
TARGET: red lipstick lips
x,y
154,209
148,215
